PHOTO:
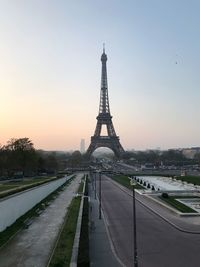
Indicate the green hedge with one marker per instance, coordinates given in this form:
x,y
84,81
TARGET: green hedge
x,y
83,253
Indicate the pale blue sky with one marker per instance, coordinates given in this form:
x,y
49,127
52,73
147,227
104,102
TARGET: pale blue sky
x,y
50,71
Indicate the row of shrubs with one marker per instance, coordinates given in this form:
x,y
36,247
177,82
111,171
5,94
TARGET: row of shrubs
x,y
140,181
83,253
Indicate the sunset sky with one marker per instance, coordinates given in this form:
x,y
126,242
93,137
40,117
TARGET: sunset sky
x,y
50,71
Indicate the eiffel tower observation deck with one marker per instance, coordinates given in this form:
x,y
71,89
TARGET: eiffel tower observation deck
x,y
111,140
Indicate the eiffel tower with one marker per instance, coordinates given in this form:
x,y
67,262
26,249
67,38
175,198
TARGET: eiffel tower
x,y
111,140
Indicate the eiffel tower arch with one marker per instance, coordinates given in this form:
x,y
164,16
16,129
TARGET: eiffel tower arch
x,y
111,140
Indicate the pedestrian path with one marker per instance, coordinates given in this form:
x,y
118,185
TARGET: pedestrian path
x,y
32,247
101,253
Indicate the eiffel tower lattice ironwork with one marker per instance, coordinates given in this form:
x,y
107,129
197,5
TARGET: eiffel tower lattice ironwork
x,y
104,118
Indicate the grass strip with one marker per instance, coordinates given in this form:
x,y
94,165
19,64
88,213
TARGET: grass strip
x,y
28,181
80,189
125,181
20,223
63,251
7,187
189,179
83,252
171,200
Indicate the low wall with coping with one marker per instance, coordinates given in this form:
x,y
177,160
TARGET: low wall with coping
x,y
14,206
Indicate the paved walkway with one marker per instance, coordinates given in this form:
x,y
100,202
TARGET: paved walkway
x,y
32,247
101,254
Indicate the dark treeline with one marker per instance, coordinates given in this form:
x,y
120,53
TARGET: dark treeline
x,y
19,158
169,157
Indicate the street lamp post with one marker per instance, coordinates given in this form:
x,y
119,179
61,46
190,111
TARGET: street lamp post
x,y
132,182
99,195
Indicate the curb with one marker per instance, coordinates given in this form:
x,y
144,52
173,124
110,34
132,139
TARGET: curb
x,y
77,237
110,240
159,215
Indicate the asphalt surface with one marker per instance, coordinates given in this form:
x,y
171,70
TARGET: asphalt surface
x,y
159,243
32,247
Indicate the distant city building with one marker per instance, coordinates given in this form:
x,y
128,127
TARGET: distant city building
x,y
82,146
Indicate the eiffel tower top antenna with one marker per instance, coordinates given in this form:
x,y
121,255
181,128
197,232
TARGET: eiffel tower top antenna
x,y
104,101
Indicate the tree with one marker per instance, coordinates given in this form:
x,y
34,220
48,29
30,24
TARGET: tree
x,y
51,163
21,144
75,159
173,156
2,160
21,156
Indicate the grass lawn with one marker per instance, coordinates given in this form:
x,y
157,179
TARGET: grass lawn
x,y
190,179
80,189
171,200
20,186
63,251
13,184
125,181
29,181
4,187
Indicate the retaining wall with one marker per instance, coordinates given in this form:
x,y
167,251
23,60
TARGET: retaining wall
x,y
14,206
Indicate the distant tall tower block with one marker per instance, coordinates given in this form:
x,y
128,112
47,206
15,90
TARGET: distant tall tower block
x,y
82,146
111,140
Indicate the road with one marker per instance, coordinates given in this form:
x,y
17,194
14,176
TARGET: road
x,y
32,247
159,243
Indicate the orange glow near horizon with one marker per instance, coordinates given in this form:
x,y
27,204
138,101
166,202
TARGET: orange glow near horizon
x,y
50,71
